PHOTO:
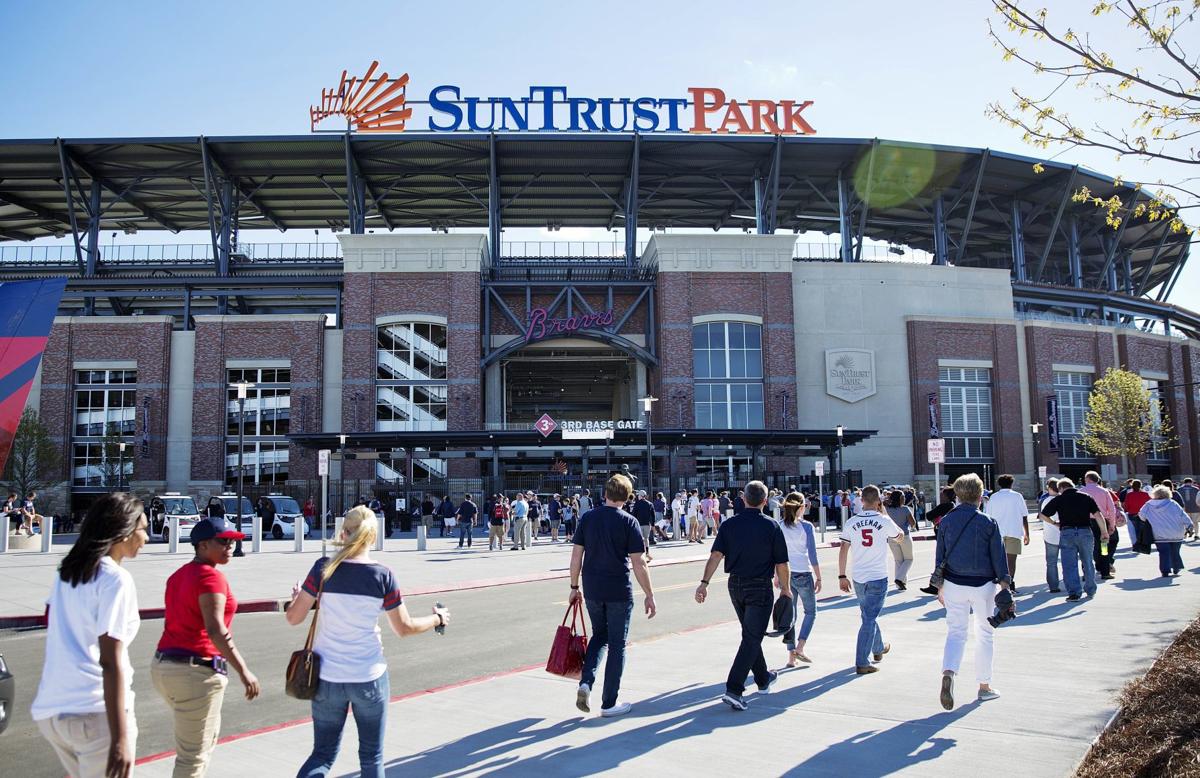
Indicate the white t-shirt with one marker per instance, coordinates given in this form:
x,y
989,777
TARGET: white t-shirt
x,y
1050,533
868,533
352,600
855,504
1008,508
72,681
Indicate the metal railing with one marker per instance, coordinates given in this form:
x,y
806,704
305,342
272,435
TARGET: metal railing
x,y
565,249
176,253
1139,325
832,252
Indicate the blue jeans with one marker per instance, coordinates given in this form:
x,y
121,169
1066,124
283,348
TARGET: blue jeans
x,y
464,531
803,594
752,600
368,701
610,629
1052,565
1078,547
870,602
1169,558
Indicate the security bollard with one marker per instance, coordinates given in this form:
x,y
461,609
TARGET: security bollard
x,y
379,535
4,536
822,512
256,534
298,532
337,526
420,537
47,525
173,540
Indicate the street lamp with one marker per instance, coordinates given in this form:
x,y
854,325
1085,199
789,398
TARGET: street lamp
x,y
242,389
647,405
839,430
120,466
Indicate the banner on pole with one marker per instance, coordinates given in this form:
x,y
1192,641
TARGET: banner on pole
x,y
1052,422
935,426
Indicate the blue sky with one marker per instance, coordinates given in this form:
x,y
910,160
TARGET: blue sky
x,y
918,72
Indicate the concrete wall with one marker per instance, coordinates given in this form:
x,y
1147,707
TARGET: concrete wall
x,y
864,305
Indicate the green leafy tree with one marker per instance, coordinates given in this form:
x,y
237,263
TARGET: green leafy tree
x,y
1133,60
35,460
1124,418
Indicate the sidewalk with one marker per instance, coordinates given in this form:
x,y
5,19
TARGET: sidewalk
x,y
1058,667
259,580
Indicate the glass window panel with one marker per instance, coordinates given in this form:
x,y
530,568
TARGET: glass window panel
x,y
737,336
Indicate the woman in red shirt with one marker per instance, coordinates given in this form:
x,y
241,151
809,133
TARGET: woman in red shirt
x,y
190,669
1135,500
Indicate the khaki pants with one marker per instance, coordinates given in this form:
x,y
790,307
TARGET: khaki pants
x,y
902,552
82,741
496,535
194,694
1195,517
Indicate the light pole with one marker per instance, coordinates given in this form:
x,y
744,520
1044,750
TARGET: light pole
x,y
1035,428
121,466
242,389
342,474
647,405
841,470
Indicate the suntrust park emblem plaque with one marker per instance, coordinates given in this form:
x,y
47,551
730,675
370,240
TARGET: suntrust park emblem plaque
x,y
850,373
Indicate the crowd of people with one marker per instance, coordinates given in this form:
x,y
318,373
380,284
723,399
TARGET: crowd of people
x,y
762,537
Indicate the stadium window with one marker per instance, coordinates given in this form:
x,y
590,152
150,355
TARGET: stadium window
x,y
264,425
727,367
1072,390
411,388
965,395
105,401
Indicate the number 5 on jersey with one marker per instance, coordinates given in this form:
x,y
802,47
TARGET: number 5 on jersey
x,y
868,537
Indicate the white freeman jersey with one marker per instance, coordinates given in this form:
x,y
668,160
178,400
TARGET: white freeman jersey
x,y
868,533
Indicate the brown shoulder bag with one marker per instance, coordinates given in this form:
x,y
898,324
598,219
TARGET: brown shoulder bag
x,y
304,668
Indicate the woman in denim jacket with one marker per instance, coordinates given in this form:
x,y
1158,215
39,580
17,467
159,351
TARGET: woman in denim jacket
x,y
970,554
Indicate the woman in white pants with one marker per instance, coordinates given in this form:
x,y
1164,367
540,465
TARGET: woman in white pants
x,y
970,558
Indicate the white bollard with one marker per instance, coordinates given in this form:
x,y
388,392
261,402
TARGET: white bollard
x,y
379,535
421,537
4,535
337,526
256,534
298,532
47,526
173,539
821,510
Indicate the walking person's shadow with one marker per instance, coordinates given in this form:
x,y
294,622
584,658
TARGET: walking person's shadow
x,y
884,752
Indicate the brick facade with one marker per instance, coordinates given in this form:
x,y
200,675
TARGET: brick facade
x,y
145,341
930,341
1148,354
454,296
221,338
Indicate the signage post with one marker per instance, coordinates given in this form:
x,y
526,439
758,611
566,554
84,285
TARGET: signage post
x,y
937,455
323,471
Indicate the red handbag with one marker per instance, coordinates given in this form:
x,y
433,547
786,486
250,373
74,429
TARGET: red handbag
x,y
566,653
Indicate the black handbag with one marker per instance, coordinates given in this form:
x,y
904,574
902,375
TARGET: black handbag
x,y
304,668
1145,536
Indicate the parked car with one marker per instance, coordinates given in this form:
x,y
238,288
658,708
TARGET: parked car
x,y
164,507
225,503
7,692
287,510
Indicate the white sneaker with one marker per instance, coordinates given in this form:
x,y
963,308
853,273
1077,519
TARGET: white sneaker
x,y
620,709
581,698
990,694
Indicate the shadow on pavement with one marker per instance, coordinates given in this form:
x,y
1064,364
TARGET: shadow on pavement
x,y
473,752
884,752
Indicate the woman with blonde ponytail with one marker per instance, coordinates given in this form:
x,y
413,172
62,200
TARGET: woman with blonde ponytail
x,y
806,573
353,591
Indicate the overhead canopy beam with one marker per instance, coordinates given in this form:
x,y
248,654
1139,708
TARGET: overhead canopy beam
x,y
148,212
966,231
247,194
1062,205
631,202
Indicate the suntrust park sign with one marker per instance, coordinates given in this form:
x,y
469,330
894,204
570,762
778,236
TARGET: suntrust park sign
x,y
375,102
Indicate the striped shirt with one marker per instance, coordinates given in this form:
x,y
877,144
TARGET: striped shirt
x,y
347,637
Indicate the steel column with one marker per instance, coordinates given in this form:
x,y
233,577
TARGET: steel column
x,y
940,240
1062,205
1127,264
844,218
356,194
1074,260
93,230
1018,243
493,203
631,202
962,244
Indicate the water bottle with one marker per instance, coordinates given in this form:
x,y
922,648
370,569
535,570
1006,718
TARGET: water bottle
x,y
1103,546
441,628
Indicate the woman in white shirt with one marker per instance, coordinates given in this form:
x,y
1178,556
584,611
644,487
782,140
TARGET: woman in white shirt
x,y
806,573
353,591
84,703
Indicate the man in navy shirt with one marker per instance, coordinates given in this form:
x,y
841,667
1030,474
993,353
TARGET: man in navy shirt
x,y
755,553
466,520
607,544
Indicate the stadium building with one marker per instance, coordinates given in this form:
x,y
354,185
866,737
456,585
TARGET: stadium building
x,y
950,292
